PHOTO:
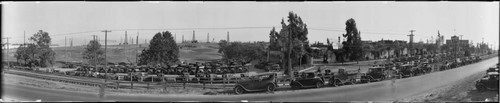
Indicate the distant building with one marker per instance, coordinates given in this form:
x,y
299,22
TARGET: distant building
x,y
456,41
457,44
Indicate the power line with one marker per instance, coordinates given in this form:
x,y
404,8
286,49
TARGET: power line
x,y
180,29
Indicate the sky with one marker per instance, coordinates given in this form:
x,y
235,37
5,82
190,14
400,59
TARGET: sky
x,y
248,21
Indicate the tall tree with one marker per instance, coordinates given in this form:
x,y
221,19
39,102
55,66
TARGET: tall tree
x,y
222,45
93,53
26,53
353,45
297,30
39,53
243,52
162,50
274,43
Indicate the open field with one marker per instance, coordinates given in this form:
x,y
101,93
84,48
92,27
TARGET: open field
x,y
127,53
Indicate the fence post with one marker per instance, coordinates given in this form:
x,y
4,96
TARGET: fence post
x,y
204,85
117,85
164,84
131,85
185,84
211,80
101,90
147,86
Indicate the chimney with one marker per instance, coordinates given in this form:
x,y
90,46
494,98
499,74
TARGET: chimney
x,y
228,36
193,36
125,43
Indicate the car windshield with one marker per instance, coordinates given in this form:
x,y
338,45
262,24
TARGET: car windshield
x,y
310,75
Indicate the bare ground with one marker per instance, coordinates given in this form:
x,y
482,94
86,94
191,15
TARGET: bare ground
x,y
461,91
54,85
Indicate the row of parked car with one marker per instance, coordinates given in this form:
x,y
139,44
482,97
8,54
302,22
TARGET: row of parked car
x,y
155,73
489,81
402,69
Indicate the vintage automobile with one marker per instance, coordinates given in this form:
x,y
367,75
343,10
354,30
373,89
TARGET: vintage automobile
x,y
426,67
260,82
488,82
492,69
374,74
343,77
406,71
309,79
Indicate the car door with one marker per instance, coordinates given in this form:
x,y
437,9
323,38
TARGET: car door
x,y
252,83
492,82
262,81
309,80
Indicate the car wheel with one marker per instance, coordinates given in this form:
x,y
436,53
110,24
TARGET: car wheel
x,y
238,90
319,85
270,87
294,86
481,88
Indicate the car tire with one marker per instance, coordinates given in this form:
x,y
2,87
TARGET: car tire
x,y
238,90
270,87
319,84
481,88
294,86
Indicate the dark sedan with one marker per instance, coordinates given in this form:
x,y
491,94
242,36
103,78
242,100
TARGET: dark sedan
x,y
307,80
260,82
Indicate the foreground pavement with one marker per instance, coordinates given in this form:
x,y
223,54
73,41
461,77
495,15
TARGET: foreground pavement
x,y
389,90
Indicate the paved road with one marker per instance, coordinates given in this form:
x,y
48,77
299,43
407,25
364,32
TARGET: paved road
x,y
378,91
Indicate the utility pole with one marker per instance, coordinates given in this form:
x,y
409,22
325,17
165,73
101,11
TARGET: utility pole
x,y
7,44
105,59
460,44
65,48
95,53
137,44
208,37
289,52
411,42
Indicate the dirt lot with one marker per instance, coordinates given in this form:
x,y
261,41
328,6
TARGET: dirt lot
x,y
127,53
53,85
462,91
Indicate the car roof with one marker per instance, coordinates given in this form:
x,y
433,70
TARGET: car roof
x,y
265,73
493,73
377,67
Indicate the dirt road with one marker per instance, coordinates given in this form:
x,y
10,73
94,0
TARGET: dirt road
x,y
378,91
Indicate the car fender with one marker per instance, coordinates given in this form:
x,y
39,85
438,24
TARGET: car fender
x,y
242,87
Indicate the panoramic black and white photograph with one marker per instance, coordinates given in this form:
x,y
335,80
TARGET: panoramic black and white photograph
x,y
229,51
